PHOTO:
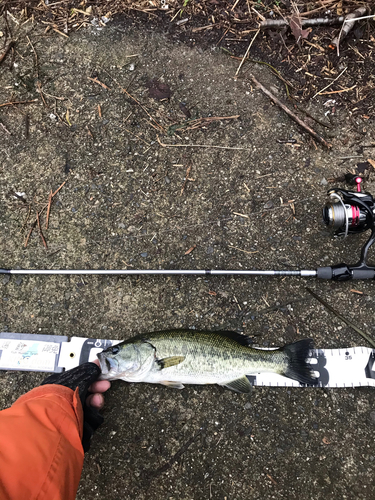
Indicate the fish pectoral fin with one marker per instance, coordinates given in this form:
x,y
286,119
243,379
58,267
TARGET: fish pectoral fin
x,y
173,385
239,385
170,361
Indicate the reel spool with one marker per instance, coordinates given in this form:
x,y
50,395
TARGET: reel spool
x,y
348,212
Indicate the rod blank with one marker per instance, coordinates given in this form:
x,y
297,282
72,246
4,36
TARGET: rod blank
x,y
129,272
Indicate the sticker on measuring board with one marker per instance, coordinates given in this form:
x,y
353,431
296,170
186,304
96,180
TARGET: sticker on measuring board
x,y
28,352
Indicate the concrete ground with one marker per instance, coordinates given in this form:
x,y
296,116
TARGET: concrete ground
x,y
124,205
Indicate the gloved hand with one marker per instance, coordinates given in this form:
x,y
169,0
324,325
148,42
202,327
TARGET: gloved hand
x,y
82,377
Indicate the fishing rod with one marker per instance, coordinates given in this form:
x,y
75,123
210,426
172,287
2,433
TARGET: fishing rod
x,y
346,212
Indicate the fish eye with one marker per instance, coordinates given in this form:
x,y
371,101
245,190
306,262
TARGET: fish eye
x,y
115,349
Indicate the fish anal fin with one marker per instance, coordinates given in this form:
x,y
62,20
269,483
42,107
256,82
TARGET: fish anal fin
x,y
239,385
170,361
173,385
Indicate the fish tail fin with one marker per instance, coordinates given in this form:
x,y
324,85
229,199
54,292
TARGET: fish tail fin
x,y
298,368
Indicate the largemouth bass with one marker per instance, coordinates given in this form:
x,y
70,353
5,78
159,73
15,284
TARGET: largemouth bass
x,y
178,357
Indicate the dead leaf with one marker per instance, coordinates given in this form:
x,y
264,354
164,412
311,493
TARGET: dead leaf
x,y
325,440
212,293
190,249
67,117
296,27
362,167
158,90
371,162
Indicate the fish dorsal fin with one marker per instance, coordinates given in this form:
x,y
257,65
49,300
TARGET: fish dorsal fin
x,y
170,361
239,385
237,337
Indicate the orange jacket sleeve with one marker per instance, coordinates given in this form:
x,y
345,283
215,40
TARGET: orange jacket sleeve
x,y
41,454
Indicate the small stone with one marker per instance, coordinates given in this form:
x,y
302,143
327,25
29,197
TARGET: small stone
x,y
210,250
167,180
324,181
247,406
144,254
269,204
121,225
74,210
6,279
247,432
18,281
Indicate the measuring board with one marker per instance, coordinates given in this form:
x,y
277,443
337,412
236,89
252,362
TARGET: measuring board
x,y
346,367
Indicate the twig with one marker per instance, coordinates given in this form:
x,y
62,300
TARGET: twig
x,y
27,218
274,70
326,5
272,23
58,189
49,208
260,15
333,81
160,127
40,90
290,113
188,170
137,136
40,213
95,80
177,455
4,127
27,126
190,250
244,57
346,321
6,50
40,230
339,91
348,24
199,122
11,103
244,251
60,33
36,57
31,230
327,125
197,146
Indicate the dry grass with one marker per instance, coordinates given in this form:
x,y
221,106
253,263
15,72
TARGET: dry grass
x,y
236,17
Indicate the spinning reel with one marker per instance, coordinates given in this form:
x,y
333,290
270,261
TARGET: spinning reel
x,y
351,212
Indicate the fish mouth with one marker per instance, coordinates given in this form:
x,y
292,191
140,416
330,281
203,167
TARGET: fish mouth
x,y
107,365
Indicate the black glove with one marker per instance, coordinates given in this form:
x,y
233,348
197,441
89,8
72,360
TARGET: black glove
x,y
82,377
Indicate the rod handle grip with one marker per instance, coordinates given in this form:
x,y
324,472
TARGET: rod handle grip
x,y
324,273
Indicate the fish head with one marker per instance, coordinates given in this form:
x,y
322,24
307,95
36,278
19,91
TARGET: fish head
x,y
126,361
